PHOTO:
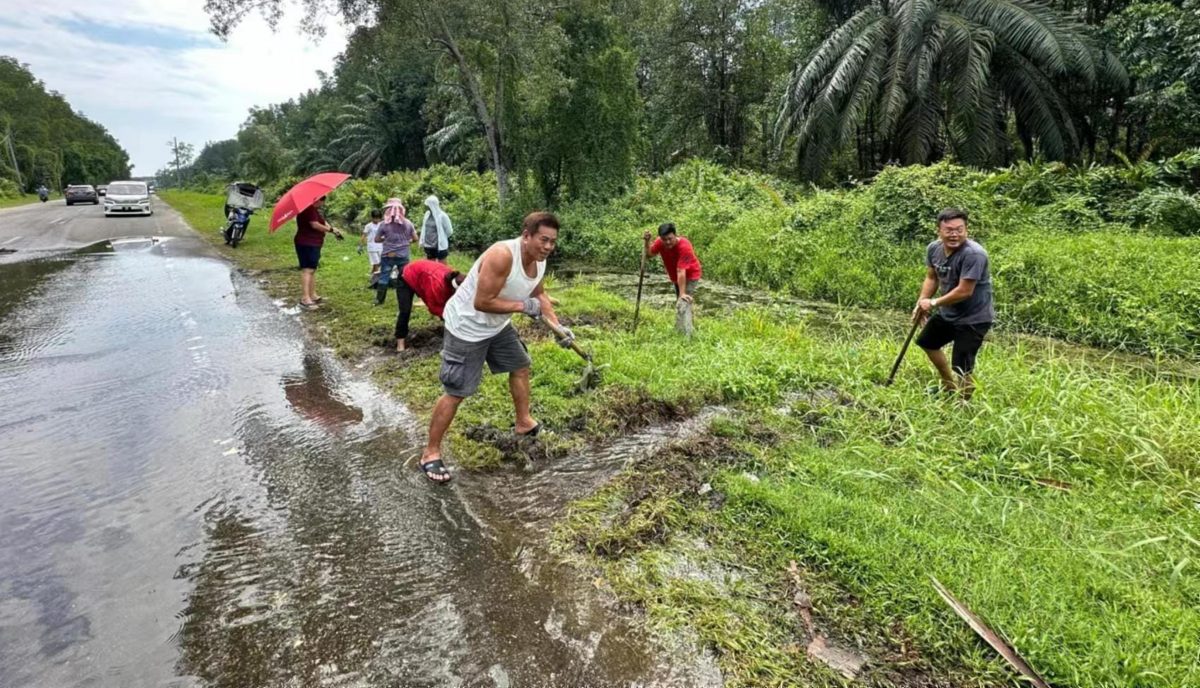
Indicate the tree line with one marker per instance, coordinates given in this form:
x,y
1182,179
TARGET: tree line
x,y
44,141
567,101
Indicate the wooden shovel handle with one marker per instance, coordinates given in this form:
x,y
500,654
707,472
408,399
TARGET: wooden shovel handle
x,y
560,334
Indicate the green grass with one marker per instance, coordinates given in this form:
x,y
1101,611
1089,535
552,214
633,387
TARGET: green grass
x,y
25,199
1062,504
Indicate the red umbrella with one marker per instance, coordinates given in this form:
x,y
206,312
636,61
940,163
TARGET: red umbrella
x,y
303,195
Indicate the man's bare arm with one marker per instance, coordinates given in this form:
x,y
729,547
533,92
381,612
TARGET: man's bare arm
x,y
962,292
493,273
540,294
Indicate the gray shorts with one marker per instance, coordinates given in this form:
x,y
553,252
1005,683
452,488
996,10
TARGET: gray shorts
x,y
691,287
462,361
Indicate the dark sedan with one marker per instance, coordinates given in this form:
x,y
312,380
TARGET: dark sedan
x,y
81,193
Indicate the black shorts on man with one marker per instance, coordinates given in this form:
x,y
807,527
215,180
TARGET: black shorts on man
x,y
967,339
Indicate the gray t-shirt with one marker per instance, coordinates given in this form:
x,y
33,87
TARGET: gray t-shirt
x,y
429,232
970,261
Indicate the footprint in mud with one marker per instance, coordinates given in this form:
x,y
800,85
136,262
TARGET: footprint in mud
x,y
513,447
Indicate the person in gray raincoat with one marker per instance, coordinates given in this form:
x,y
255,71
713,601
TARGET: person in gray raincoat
x,y
435,231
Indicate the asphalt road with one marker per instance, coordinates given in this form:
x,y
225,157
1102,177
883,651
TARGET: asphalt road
x,y
31,231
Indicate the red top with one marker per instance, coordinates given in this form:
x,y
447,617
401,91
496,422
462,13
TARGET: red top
x,y
428,279
682,256
306,234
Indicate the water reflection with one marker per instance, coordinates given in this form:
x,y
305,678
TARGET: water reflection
x,y
191,494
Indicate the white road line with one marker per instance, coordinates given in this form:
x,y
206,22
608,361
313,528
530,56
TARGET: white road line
x,y
10,240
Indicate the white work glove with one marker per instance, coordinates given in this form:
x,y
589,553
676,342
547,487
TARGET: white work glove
x,y
532,307
568,337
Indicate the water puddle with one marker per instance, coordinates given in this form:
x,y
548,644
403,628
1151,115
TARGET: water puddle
x,y
191,494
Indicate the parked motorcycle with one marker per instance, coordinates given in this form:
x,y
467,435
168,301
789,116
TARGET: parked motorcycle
x,y
241,200
235,230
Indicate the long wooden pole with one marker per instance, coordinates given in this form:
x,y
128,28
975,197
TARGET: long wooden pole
x,y
641,278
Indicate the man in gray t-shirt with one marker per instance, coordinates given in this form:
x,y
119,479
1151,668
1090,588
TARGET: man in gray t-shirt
x,y
963,312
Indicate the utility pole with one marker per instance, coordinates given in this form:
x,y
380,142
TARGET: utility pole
x,y
178,174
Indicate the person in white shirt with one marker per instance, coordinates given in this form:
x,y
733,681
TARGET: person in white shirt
x,y
374,250
505,280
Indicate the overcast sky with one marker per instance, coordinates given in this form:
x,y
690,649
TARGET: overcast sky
x,y
149,70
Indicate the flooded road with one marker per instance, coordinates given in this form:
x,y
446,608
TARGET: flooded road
x,y
191,494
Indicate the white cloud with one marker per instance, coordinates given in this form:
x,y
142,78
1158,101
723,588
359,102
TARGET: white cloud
x,y
183,83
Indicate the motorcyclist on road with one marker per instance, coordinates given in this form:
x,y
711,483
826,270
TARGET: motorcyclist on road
x,y
42,192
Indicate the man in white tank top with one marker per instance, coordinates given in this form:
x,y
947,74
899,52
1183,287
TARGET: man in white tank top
x,y
506,279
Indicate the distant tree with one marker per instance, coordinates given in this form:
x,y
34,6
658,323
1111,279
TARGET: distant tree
x,y
49,141
218,159
181,157
263,159
1159,43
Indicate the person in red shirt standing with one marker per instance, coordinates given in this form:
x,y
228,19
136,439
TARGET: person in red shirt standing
x,y
311,229
679,260
431,280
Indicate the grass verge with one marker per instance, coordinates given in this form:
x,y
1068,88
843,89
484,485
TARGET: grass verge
x,y
1062,505
25,199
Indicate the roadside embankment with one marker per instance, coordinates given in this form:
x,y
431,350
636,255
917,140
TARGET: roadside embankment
x,y
1062,504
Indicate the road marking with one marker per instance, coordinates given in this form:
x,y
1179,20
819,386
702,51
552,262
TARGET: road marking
x,y
10,240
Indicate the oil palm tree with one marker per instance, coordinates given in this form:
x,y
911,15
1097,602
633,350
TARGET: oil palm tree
x,y
920,75
366,125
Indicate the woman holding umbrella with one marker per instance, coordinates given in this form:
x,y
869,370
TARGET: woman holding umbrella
x,y
311,229
303,202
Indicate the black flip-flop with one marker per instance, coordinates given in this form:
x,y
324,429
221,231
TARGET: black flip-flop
x,y
436,468
532,432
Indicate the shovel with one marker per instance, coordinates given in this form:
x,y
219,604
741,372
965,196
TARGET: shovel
x,y
903,350
591,374
641,278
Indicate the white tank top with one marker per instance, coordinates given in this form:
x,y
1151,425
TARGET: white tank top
x,y
466,323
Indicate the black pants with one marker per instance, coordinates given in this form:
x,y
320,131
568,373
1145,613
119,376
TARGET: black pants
x,y
967,339
404,296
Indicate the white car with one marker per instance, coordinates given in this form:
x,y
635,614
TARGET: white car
x,y
127,198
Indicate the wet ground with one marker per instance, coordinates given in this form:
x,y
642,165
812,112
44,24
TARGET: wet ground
x,y
192,494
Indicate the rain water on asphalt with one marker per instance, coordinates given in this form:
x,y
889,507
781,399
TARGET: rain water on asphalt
x,y
192,494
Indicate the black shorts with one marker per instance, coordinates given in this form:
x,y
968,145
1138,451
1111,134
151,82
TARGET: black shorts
x,y
967,339
434,254
309,256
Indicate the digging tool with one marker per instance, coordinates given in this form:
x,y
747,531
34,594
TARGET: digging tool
x,y
641,278
903,350
591,374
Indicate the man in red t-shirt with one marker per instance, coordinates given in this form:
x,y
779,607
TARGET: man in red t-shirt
x,y
311,229
679,260
434,282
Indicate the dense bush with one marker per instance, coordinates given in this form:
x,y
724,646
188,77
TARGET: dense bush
x,y
9,189
469,198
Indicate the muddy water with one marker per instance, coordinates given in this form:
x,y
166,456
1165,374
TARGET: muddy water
x,y
192,495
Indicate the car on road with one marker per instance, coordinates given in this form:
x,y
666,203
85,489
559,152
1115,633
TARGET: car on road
x,y
127,198
101,189
81,193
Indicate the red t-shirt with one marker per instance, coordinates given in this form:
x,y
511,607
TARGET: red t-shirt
x,y
306,234
428,279
682,256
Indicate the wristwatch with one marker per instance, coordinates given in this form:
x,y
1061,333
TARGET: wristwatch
x,y
933,303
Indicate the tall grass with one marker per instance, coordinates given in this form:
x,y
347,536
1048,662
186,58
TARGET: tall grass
x,y
1101,256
